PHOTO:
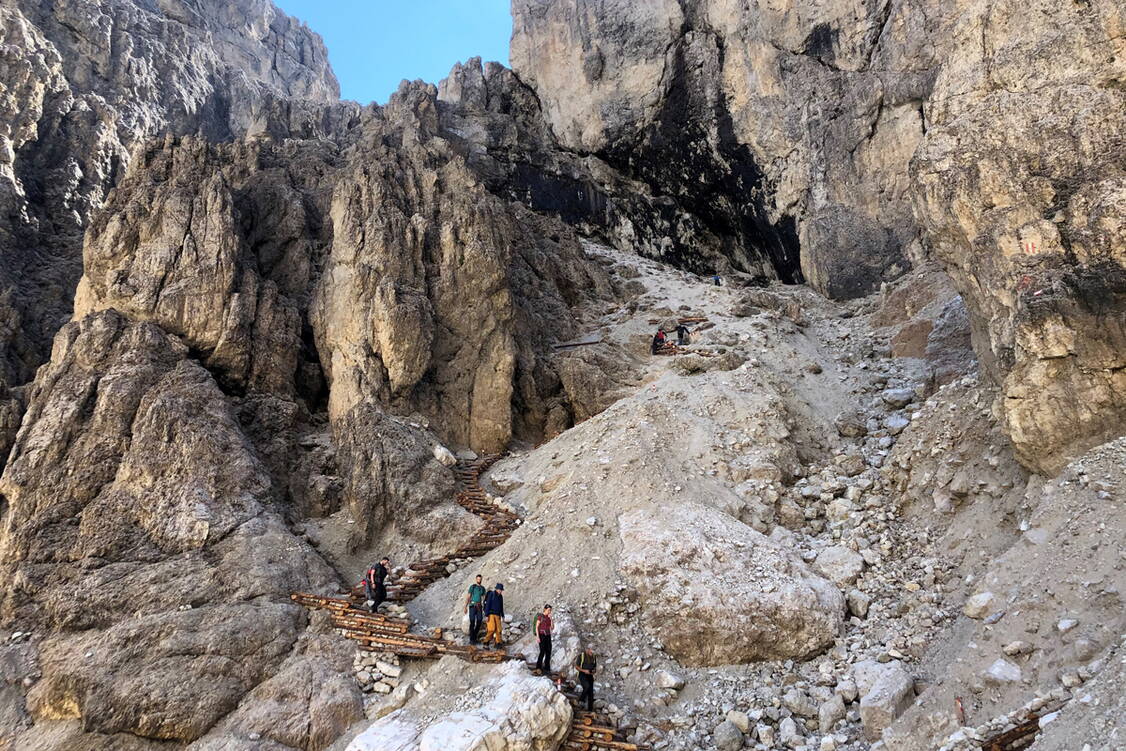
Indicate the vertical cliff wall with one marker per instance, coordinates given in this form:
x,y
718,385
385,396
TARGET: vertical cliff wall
x,y
986,135
81,84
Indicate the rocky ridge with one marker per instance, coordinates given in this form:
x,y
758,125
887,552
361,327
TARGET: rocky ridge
x,y
81,85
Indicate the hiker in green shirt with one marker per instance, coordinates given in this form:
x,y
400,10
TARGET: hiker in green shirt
x,y
474,605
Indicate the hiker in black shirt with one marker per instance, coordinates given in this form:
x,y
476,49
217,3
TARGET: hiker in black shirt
x,y
586,665
374,583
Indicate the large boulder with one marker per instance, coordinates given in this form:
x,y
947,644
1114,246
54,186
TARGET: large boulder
x,y
510,711
715,591
565,645
839,564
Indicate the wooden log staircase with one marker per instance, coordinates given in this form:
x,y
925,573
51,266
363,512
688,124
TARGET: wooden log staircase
x,y
376,632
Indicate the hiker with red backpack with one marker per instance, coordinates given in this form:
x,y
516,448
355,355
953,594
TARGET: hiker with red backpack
x,y
375,589
544,626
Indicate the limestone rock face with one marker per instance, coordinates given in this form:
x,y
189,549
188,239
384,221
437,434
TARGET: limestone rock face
x,y
763,117
165,552
1026,215
181,259
716,591
313,272
433,286
83,83
517,712
872,135
308,704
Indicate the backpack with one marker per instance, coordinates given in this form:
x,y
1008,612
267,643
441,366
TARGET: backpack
x,y
536,623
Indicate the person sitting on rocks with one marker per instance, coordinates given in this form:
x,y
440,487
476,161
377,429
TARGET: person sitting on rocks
x,y
475,607
544,627
659,340
494,614
586,665
374,583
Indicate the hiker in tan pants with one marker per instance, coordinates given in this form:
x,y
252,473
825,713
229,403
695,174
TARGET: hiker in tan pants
x,y
494,615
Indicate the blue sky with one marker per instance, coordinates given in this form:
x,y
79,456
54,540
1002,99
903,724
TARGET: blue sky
x,y
374,44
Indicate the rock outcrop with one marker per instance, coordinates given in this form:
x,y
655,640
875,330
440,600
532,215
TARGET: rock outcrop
x,y
160,568
309,703
763,118
81,84
509,711
290,326
717,592
1020,187
366,278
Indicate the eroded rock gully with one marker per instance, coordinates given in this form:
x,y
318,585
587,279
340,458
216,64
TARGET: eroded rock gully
x,y
842,506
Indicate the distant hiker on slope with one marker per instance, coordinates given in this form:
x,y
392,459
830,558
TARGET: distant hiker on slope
x,y
659,340
544,626
681,334
475,606
715,279
586,665
494,615
374,587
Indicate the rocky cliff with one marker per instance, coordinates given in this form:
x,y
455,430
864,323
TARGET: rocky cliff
x,y
283,308
882,133
295,324
83,83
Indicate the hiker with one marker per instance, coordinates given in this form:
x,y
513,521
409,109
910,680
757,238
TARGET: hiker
x,y
715,279
544,626
681,334
658,340
494,614
474,605
586,665
374,588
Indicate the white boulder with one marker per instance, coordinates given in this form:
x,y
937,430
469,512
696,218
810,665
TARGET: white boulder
x,y
1002,671
979,606
789,735
565,645
668,679
444,455
887,690
521,713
